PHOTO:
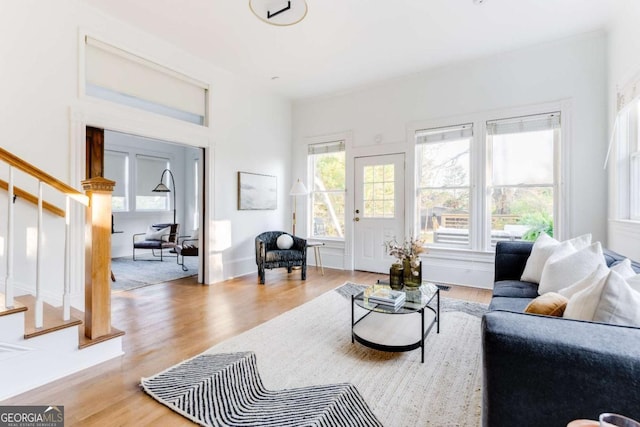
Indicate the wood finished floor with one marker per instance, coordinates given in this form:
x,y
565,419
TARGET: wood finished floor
x,y
173,321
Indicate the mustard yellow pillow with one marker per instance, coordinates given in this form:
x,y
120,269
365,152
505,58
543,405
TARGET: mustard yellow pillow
x,y
549,304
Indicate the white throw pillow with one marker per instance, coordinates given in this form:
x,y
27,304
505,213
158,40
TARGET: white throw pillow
x,y
155,234
619,304
634,282
284,242
558,273
543,248
624,269
593,278
582,305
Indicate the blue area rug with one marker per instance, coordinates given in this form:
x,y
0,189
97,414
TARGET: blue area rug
x,y
132,274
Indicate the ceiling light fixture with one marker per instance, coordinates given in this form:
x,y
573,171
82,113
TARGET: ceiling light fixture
x,y
279,12
478,1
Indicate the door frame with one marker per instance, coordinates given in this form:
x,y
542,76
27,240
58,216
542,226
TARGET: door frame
x,y
374,151
142,124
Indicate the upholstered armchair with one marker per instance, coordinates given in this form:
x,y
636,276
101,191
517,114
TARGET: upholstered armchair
x,y
269,255
158,237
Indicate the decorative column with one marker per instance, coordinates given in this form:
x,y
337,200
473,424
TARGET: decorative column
x,y
97,289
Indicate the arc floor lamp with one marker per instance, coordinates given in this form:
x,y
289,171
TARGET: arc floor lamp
x,y
161,188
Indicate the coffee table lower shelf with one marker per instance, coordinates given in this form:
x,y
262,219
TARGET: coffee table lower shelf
x,y
394,332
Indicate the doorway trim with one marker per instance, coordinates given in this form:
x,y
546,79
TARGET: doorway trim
x,y
132,121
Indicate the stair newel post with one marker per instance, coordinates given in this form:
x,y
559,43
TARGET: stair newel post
x,y
39,309
66,297
8,283
97,292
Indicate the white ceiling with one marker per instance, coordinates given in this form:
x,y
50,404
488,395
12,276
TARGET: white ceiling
x,y
343,44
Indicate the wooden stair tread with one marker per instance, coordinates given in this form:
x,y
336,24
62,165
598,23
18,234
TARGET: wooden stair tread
x,y
52,318
17,307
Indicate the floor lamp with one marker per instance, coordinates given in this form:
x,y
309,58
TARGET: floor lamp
x,y
298,189
161,188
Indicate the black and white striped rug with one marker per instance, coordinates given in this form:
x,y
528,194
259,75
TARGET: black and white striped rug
x,y
226,390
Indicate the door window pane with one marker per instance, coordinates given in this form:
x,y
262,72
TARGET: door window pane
x,y
379,191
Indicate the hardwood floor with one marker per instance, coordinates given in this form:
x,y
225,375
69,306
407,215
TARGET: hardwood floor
x,y
173,321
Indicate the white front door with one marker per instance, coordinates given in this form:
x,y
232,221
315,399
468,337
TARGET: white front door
x,y
378,209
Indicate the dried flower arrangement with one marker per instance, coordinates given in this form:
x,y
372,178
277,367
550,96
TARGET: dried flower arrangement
x,y
409,250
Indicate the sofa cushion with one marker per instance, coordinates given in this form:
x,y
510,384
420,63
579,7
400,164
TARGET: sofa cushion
x,y
515,289
509,304
285,255
558,273
549,304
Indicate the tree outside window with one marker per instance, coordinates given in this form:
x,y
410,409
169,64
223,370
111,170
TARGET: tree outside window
x,y
327,192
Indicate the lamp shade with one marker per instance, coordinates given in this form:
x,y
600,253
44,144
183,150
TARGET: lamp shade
x,y
161,188
298,189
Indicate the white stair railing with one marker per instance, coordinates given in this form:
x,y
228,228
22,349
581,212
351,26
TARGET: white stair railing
x,y
12,191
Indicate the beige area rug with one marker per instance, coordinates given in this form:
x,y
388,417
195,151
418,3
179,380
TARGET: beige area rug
x,y
311,345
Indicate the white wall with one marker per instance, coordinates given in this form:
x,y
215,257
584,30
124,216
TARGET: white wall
x,y
624,66
42,117
378,118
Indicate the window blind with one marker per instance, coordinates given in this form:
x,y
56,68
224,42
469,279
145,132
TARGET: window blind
x,y
326,147
449,133
112,68
533,123
148,172
115,169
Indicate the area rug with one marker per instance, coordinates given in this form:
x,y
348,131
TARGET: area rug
x,y
130,274
226,390
311,345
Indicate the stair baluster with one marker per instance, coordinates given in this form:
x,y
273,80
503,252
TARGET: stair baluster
x,y
8,284
39,309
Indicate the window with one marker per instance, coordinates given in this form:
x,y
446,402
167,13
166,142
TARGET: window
x,y
522,175
379,191
118,76
327,192
628,165
148,172
488,180
443,191
116,167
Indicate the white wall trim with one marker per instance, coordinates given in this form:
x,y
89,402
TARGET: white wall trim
x,y
127,120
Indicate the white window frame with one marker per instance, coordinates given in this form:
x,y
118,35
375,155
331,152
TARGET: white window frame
x,y
465,131
479,242
333,146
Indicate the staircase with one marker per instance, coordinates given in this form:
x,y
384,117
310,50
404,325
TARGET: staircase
x,y
46,332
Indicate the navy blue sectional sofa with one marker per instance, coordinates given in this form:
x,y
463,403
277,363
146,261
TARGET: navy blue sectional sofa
x,y
547,371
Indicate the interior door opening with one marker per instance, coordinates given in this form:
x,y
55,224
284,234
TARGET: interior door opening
x,y
138,165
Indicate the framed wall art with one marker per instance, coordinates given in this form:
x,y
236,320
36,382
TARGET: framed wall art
x,y
257,191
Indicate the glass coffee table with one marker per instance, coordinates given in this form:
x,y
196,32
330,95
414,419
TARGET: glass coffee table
x,y
384,328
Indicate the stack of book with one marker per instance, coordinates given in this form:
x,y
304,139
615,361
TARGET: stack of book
x,y
386,296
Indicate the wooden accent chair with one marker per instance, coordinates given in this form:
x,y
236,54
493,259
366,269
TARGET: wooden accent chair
x,y
268,255
158,237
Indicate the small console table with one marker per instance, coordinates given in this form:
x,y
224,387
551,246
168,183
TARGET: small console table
x,y
316,252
